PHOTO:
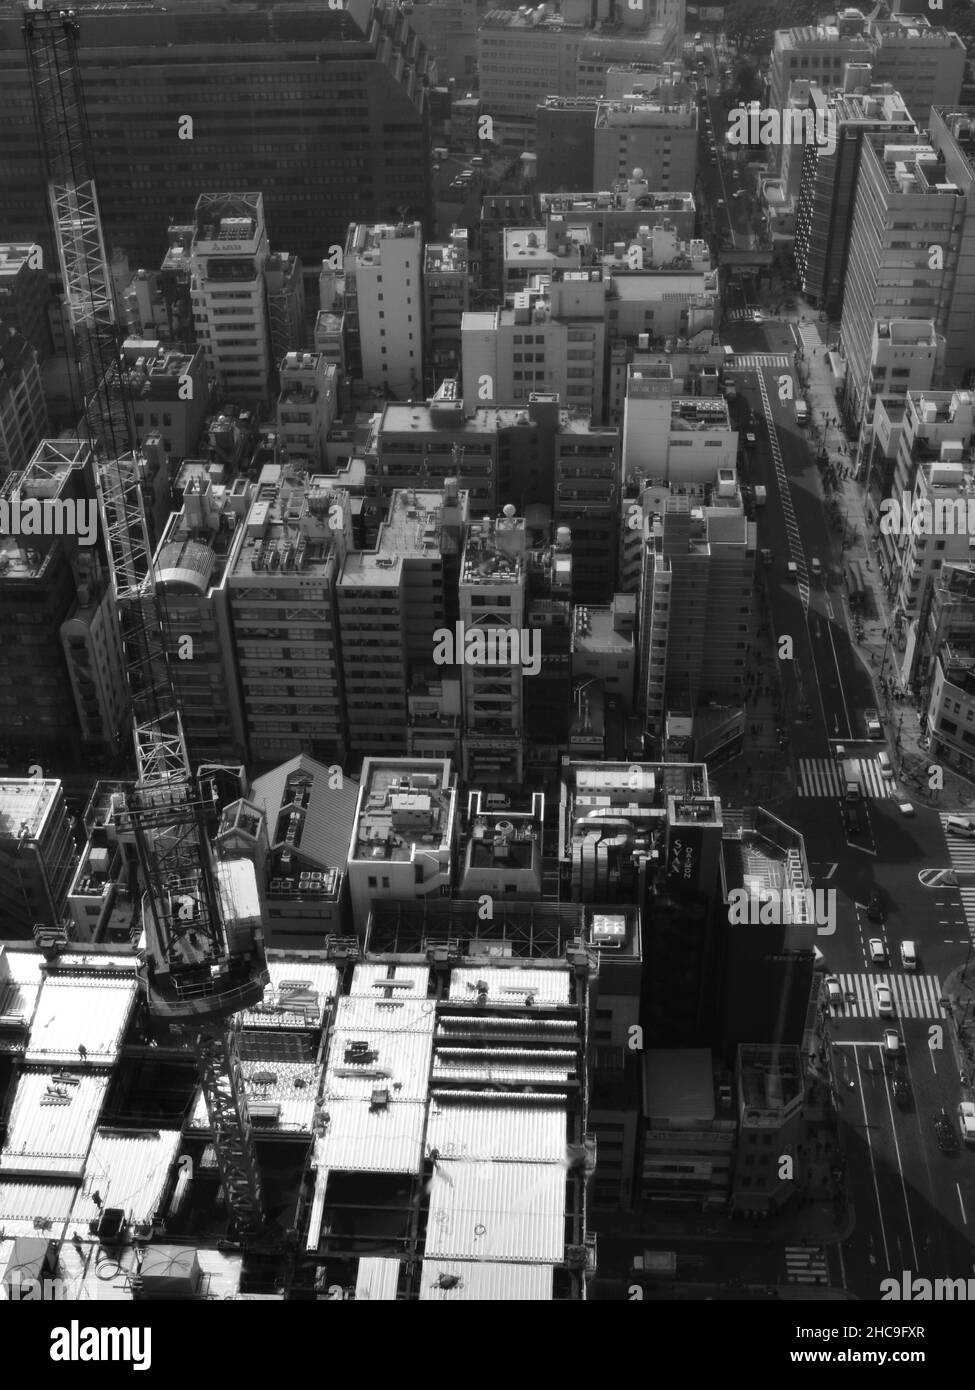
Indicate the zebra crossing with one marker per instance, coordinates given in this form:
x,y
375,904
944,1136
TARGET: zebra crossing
x,y
962,855
806,1264
760,359
915,996
822,777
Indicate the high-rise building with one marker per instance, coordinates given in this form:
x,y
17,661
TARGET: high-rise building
x,y
25,294
828,187
282,604
230,312
307,405
952,134
37,856
446,298
384,301
357,72
39,589
170,394
391,602
911,236
93,653
195,555
23,410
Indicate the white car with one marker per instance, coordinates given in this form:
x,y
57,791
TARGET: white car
x,y
877,953
815,568
833,992
906,808
872,720
885,1001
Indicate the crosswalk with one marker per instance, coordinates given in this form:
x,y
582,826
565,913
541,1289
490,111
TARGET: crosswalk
x,y
760,359
822,777
962,855
806,1264
914,996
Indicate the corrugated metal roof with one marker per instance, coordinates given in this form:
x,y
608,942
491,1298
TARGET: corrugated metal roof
x,y
329,815
511,985
498,1132
20,984
498,1211
80,1010
128,1171
385,1015
412,981
298,981
373,1141
510,1075
296,1101
23,1204
478,1281
52,1138
377,1280
402,1064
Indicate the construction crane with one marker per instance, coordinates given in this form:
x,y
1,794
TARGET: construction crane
x,y
203,960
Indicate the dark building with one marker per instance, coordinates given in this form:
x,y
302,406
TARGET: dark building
x,y
565,137
323,110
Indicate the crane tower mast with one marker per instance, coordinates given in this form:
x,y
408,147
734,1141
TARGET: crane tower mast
x,y
204,958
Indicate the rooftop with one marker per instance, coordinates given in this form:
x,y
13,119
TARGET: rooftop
x,y
25,804
404,807
308,815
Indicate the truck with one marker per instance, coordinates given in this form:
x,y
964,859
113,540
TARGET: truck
x,y
802,413
852,784
761,497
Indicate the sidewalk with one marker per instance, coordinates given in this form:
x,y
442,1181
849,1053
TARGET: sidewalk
x,y
844,499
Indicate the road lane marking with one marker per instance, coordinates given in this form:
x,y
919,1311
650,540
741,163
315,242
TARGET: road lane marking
x,y
961,1203
873,1166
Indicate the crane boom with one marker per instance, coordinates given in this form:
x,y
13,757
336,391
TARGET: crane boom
x,y
204,958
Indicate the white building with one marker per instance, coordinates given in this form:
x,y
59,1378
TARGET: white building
x,y
307,405
227,257
384,269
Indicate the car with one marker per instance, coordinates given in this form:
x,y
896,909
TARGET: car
x,y
751,439
906,808
966,1119
902,1093
885,1000
875,905
877,953
872,720
720,203
892,1045
834,994
958,825
766,555
815,567
945,1130
740,194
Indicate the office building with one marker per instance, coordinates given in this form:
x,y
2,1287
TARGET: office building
x,y
587,497
502,856
170,394
828,187
687,1131
952,135
307,406
25,294
695,616
648,139
281,590
384,305
447,280
604,650
548,339
284,287
391,602
448,29
359,73
196,553
37,856
95,659
683,440
770,1090
525,55
404,836
23,410
565,131
618,213
39,589
909,237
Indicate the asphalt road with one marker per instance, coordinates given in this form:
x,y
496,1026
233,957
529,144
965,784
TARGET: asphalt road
x,y
913,1203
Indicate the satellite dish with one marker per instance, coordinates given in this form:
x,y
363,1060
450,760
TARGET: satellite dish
x,y
509,510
